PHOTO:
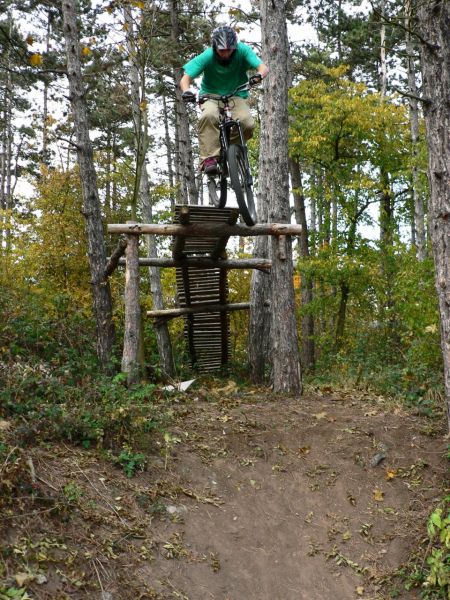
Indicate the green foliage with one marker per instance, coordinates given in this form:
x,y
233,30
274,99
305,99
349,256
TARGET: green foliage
x,y
131,461
14,593
72,492
50,379
396,350
433,574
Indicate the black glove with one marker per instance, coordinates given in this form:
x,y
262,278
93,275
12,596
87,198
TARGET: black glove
x,y
188,96
255,80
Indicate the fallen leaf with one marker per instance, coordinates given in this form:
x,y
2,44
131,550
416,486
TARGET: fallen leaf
x,y
321,415
378,495
303,451
391,474
23,578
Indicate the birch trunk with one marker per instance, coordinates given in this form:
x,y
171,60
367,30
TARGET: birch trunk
x,y
102,303
284,342
434,19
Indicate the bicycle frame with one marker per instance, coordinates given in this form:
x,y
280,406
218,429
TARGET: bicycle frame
x,y
227,123
233,160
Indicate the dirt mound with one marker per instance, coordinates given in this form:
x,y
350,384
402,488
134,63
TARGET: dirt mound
x,y
248,496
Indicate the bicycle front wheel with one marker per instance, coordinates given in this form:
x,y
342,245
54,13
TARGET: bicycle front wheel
x,y
239,178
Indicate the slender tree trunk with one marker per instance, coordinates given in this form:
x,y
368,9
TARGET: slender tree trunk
x,y
259,322
102,302
383,65
168,144
137,80
187,181
419,213
161,328
308,346
345,290
286,376
434,17
7,154
259,351
45,157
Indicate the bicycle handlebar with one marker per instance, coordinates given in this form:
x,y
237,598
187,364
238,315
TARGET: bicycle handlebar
x,y
241,88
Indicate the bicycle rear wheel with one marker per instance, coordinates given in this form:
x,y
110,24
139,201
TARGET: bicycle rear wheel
x,y
237,165
217,190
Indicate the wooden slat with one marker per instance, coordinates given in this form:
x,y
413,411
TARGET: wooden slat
x,y
203,288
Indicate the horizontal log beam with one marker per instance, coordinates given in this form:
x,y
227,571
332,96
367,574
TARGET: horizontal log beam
x,y
244,263
206,229
189,310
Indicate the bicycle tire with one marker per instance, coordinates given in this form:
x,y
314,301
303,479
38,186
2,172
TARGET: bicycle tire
x,y
237,166
217,190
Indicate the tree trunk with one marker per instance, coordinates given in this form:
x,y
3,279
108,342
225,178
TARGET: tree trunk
x,y
187,182
161,328
259,321
286,375
102,303
383,65
45,153
419,217
308,346
132,334
137,82
169,152
434,17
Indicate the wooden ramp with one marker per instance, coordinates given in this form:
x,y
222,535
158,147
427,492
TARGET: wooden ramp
x,y
207,334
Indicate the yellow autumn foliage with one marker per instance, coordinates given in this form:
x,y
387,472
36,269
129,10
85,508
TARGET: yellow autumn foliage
x,y
35,59
53,247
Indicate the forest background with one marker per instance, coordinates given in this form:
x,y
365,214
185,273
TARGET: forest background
x,y
367,310
358,165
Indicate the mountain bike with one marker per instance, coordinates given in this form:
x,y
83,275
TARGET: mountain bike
x,y
233,160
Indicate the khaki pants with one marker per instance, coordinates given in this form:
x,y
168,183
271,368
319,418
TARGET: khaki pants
x,y
208,125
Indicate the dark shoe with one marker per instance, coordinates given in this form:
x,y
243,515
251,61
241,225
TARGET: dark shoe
x,y
210,166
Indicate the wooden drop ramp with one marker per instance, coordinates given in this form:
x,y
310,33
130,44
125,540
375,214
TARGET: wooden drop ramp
x,y
207,333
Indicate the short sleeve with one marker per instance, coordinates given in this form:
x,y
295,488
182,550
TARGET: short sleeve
x,y
196,66
251,57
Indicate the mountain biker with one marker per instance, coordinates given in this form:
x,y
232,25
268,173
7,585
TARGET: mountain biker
x,y
224,67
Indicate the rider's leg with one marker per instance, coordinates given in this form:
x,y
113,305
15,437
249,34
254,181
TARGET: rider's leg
x,y
208,130
241,111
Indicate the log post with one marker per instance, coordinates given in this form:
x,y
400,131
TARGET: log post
x,y
180,240
132,334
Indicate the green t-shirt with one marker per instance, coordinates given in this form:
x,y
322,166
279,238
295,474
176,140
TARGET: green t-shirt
x,y
223,79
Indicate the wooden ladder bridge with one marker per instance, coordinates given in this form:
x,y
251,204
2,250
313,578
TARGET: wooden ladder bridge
x,y
200,237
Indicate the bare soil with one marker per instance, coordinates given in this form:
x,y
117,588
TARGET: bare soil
x,y
248,497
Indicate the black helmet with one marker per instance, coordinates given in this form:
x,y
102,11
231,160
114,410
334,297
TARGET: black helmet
x,y
224,38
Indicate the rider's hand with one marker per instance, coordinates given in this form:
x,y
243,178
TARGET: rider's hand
x,y
188,96
255,79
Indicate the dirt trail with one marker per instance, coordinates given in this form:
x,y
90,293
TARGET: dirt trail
x,y
250,498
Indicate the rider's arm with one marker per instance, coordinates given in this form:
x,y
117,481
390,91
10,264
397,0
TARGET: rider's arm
x,y
263,70
185,82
